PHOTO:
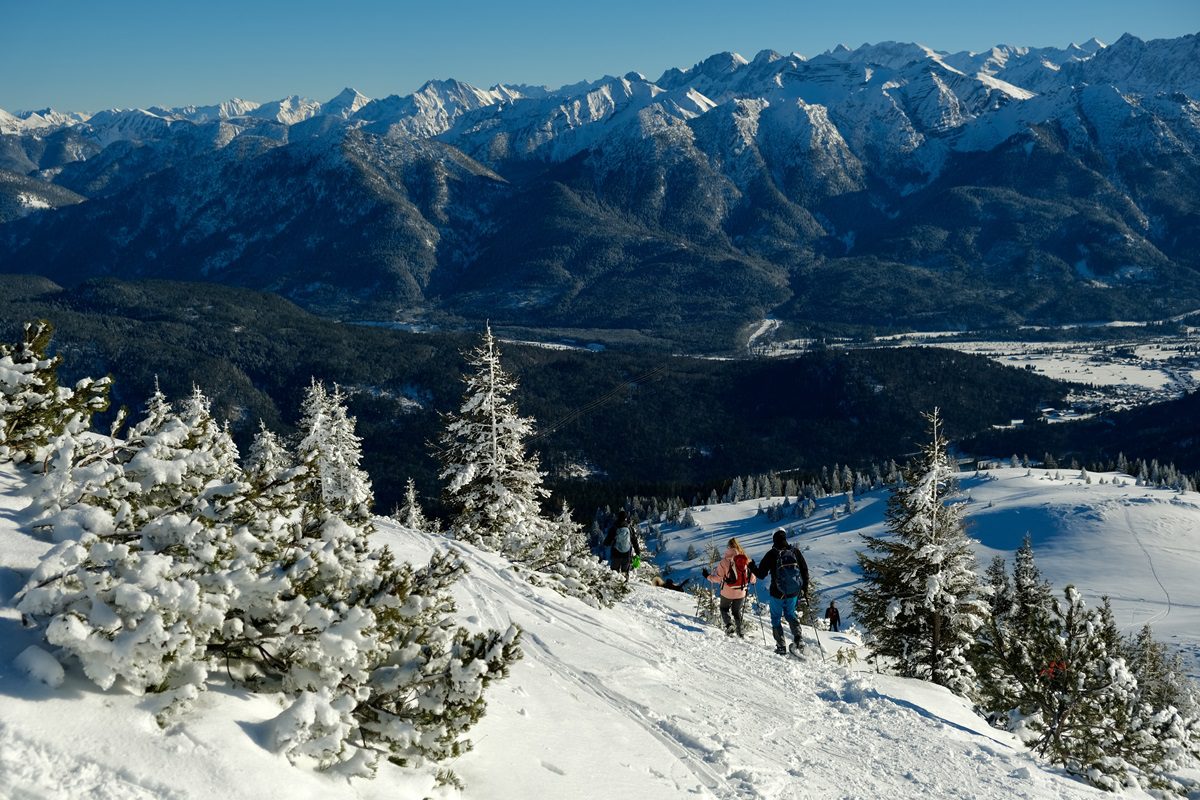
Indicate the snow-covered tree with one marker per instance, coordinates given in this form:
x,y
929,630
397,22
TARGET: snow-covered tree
x,y
494,488
332,451
409,512
491,485
1063,678
34,409
920,593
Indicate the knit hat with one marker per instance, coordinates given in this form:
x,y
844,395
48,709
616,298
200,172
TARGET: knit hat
x,y
780,538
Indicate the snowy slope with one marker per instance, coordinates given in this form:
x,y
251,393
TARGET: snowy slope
x,y
634,701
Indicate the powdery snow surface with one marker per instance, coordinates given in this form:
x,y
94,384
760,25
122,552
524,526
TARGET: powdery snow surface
x,y
637,701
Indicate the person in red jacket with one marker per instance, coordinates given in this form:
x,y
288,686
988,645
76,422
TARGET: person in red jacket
x,y
733,576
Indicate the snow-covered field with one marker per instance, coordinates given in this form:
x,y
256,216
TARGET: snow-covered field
x,y
640,700
1123,374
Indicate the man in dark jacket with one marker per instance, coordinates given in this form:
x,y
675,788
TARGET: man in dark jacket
x,y
833,616
789,581
623,542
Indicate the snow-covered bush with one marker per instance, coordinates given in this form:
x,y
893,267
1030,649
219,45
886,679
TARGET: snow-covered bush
x,y
174,559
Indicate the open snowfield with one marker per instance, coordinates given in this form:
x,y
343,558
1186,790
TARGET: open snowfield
x,y
1123,373
636,701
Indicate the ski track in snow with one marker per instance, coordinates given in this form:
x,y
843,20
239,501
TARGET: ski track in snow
x,y
1153,570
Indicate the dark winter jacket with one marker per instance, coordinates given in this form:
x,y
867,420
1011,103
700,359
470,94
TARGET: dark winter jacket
x,y
611,539
834,617
764,568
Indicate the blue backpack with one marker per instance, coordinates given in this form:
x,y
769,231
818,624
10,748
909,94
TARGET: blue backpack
x,y
786,577
623,542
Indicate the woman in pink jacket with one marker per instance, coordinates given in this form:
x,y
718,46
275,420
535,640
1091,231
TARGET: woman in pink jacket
x,y
733,575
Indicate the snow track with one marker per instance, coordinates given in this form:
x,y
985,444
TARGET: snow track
x,y
1153,571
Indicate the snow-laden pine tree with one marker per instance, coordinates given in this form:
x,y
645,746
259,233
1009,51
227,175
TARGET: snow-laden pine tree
x,y
410,513
492,486
1065,681
34,409
132,591
332,450
494,489
920,594
1021,613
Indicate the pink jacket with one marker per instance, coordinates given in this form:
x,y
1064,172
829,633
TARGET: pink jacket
x,y
726,568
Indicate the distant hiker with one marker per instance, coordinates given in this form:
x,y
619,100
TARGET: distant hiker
x,y
834,617
623,540
789,580
733,576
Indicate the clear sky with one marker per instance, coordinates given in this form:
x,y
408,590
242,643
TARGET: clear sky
x,y
86,55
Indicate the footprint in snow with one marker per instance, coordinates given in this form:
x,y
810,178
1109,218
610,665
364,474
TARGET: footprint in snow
x,y
552,768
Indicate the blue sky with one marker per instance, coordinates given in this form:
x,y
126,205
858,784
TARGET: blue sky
x,y
87,55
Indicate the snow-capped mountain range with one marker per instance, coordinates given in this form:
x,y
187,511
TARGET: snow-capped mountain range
x,y
768,169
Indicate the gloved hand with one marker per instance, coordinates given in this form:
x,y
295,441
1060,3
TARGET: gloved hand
x,y
704,572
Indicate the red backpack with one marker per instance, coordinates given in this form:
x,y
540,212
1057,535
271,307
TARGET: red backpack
x,y
738,576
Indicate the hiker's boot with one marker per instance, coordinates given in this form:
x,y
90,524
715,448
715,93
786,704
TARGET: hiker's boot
x,y
740,634
780,647
729,630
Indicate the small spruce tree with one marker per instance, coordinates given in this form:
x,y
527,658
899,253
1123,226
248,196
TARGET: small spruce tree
x,y
920,593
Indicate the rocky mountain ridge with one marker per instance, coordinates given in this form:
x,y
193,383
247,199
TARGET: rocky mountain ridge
x,y
885,186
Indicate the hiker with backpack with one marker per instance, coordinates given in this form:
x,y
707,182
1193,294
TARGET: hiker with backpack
x,y
623,540
734,577
789,580
833,616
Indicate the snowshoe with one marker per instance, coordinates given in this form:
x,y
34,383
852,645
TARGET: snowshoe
x,y
796,650
780,649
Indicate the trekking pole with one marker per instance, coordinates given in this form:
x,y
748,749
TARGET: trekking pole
x,y
758,613
810,617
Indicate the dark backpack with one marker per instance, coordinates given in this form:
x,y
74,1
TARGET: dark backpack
x,y
623,541
738,576
786,577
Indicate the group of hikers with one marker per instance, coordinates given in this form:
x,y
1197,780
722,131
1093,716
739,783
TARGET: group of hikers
x,y
735,573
